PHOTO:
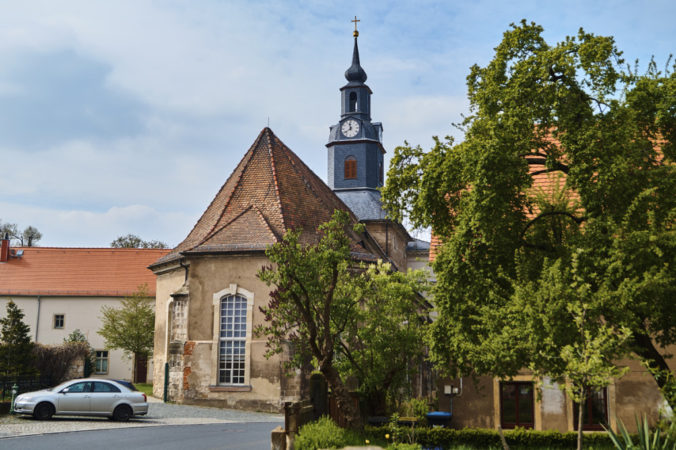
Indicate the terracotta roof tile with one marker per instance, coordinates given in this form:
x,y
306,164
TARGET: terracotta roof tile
x,y
115,272
270,192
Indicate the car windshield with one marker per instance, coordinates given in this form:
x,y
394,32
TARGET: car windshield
x,y
58,387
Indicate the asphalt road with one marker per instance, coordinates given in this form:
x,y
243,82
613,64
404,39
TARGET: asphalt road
x,y
243,436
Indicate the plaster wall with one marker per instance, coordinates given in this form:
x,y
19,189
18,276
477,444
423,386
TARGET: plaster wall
x,y
637,394
473,407
391,239
83,313
168,282
266,387
633,395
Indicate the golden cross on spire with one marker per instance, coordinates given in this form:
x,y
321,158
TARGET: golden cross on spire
x,y
356,33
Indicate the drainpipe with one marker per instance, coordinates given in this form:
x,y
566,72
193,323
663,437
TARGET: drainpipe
x,y
185,280
37,321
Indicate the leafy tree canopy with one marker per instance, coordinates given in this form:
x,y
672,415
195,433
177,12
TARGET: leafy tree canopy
x,y
563,280
349,320
131,327
133,241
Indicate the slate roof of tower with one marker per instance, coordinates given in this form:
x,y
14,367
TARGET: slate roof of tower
x,y
270,192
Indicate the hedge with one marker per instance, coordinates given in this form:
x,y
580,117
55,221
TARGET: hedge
x,y
484,438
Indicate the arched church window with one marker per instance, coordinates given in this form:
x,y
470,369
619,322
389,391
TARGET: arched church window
x,y
232,340
350,168
353,101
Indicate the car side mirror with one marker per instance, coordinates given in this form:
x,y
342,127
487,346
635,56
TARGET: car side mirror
x,y
64,391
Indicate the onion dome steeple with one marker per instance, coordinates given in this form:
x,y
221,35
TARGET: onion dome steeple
x,y
355,74
355,148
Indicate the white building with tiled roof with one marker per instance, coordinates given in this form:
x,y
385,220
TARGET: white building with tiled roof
x,y
60,290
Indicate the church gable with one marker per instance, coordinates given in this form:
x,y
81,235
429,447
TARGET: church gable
x,y
247,228
270,192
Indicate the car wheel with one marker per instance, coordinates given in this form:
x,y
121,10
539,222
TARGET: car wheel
x,y
43,411
122,413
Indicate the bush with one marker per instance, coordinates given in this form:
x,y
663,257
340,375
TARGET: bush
x,y
324,433
484,438
54,361
415,407
401,446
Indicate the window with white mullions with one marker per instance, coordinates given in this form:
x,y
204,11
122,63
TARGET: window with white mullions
x,y
232,346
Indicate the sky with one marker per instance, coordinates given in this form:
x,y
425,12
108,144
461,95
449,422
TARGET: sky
x,y
128,116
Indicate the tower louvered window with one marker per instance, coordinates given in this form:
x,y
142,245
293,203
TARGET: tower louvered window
x,y
232,349
350,168
353,101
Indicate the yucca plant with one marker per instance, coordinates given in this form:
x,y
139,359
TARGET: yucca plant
x,y
647,440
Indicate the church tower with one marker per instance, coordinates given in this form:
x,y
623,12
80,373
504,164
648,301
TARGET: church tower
x,y
355,150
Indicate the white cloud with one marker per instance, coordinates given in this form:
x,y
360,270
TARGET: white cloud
x,y
81,228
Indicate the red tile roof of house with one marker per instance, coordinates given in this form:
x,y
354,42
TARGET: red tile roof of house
x,y
270,192
108,272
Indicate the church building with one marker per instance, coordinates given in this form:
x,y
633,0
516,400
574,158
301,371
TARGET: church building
x,y
208,294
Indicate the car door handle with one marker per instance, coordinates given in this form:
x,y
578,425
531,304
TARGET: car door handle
x,y
87,396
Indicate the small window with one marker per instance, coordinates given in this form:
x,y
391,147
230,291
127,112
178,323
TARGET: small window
x,y
350,168
101,362
353,101
516,404
595,411
59,320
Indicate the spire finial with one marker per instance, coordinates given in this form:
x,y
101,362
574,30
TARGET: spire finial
x,y
355,74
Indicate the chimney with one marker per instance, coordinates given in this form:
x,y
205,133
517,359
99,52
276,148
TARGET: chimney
x,y
4,249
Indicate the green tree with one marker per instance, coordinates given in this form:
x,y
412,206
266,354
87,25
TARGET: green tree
x,y
26,238
329,309
571,109
30,236
384,345
133,241
15,343
130,328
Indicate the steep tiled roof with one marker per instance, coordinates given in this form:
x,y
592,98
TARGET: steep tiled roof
x,y
112,272
270,192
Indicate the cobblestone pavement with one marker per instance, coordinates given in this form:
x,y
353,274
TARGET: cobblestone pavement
x,y
158,414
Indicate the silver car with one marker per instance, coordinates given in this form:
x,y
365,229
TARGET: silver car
x,y
118,400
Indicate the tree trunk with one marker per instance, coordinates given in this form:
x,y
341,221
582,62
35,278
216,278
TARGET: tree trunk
x,y
580,420
346,407
645,348
133,368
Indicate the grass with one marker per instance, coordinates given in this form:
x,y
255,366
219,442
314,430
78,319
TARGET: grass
x,y
146,388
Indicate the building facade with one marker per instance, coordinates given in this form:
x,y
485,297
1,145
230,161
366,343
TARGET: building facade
x,y
60,290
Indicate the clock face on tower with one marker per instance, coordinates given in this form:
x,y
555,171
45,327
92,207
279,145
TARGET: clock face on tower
x,y
350,128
